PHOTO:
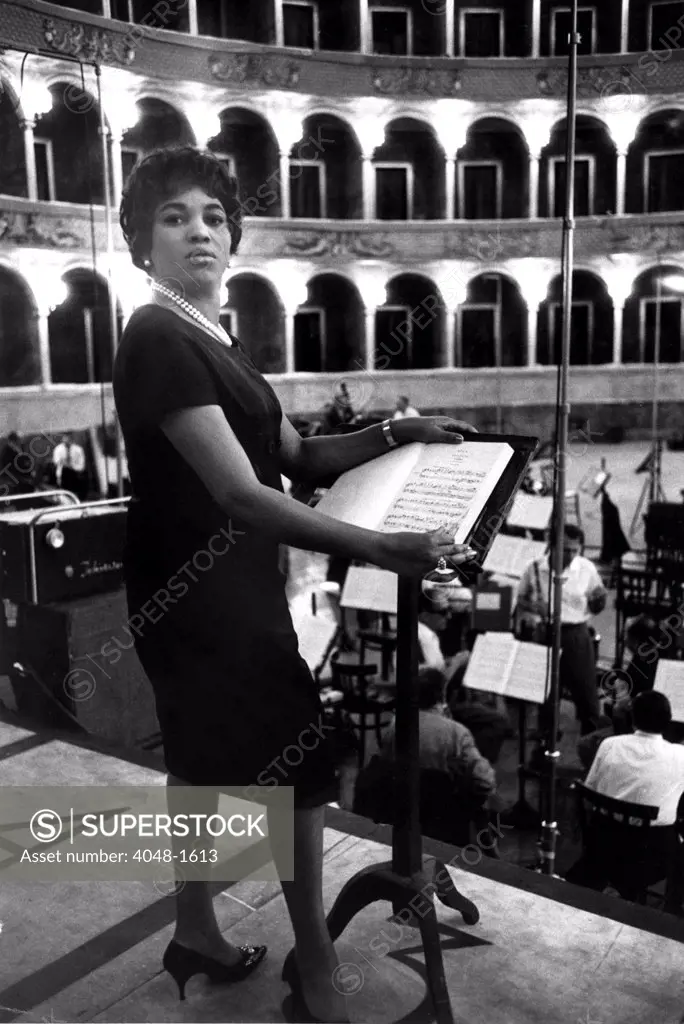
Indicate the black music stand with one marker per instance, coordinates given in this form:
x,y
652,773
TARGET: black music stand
x,y
409,881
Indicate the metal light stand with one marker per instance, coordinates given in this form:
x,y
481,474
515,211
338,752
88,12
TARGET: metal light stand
x,y
549,826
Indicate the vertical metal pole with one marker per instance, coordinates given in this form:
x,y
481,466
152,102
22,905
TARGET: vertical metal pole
x,y
89,343
549,827
655,444
113,324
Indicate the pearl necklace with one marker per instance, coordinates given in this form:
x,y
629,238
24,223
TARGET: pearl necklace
x,y
214,329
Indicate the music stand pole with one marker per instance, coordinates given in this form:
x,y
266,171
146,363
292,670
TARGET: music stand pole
x,y
549,827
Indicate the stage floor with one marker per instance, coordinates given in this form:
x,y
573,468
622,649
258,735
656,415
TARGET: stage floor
x,y
542,952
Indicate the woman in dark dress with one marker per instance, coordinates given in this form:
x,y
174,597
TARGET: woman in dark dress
x,y
206,444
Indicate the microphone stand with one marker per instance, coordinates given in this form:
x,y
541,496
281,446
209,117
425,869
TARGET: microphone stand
x,y
549,826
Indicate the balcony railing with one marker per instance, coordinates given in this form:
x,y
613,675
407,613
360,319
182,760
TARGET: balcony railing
x,y
35,26
66,226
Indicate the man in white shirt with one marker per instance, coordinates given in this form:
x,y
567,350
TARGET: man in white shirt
x,y
404,409
69,462
640,768
583,596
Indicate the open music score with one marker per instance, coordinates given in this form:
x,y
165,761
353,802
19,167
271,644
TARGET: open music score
x,y
508,667
530,512
670,681
370,589
510,556
420,487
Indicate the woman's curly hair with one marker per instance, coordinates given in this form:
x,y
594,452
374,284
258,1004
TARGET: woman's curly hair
x,y
160,176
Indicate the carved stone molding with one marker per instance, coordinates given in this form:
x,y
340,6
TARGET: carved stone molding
x,y
243,68
339,243
653,238
415,81
592,83
87,43
32,229
495,245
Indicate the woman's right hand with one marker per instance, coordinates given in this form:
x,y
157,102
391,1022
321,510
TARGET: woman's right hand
x,y
415,554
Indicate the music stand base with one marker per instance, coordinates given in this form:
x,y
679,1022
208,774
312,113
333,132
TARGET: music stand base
x,y
412,899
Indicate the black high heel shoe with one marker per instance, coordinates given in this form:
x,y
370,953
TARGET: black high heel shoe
x,y
182,963
300,1014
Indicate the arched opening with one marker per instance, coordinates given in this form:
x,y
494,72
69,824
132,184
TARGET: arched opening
x,y
654,317
68,148
325,170
409,173
19,344
329,328
598,25
254,314
491,324
409,326
158,126
13,163
247,143
81,344
492,172
591,339
595,171
655,183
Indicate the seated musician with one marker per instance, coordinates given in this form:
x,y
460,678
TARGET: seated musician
x,y
642,768
444,744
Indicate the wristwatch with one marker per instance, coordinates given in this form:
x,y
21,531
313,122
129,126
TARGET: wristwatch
x,y
389,436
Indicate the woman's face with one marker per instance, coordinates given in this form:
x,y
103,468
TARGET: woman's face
x,y
190,242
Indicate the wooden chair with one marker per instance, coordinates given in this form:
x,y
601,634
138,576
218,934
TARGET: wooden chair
x,y
382,641
362,699
618,847
640,592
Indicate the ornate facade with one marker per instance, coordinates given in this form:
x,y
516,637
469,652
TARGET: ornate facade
x,y
402,170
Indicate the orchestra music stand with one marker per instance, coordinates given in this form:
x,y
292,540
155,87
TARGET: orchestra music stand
x,y
409,881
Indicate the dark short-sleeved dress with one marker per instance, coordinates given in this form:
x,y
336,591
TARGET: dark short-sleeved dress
x,y
236,703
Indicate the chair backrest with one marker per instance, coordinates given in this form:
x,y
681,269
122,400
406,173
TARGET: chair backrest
x,y
621,812
347,675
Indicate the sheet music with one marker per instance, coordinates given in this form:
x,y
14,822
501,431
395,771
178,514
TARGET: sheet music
x,y
509,556
372,590
670,681
314,634
348,498
448,487
530,512
528,676
490,663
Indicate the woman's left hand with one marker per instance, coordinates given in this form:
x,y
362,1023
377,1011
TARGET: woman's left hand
x,y
430,430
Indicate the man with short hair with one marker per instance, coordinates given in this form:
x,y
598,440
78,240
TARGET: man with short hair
x,y
639,768
642,767
584,595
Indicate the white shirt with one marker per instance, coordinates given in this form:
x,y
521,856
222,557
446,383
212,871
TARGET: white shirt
x,y
72,456
580,579
642,768
409,411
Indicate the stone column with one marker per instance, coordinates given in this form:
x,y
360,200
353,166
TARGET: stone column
x,y
534,185
284,160
289,340
30,157
44,347
369,341
618,317
364,25
532,326
449,337
106,9
621,183
368,186
624,27
450,21
279,27
117,169
193,26
536,27
450,211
